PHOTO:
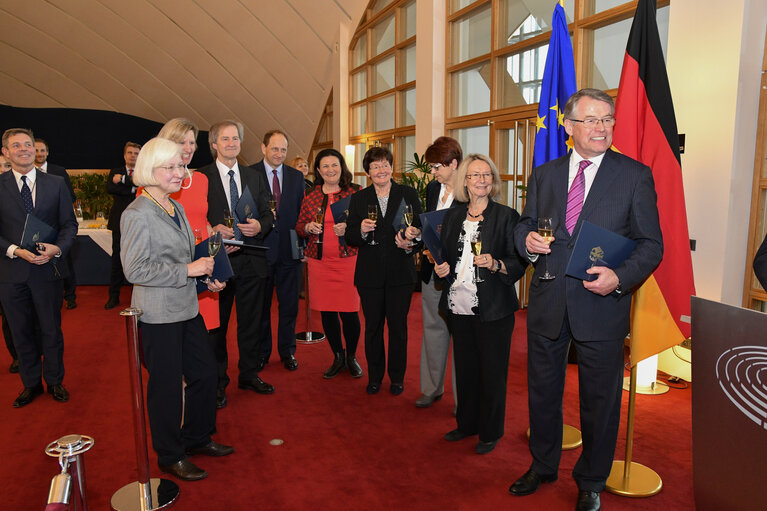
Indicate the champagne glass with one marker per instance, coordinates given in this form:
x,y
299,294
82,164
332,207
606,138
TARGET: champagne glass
x,y
407,216
319,217
373,215
546,231
214,245
476,248
197,236
228,219
273,205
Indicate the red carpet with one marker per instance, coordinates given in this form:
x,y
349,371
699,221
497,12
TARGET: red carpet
x,y
342,448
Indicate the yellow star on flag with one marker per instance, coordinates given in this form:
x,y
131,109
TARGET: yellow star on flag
x,y
539,124
560,115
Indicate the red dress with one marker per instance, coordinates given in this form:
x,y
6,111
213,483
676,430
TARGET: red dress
x,y
195,202
331,279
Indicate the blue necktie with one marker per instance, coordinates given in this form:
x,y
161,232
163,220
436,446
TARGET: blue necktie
x,y
26,195
235,196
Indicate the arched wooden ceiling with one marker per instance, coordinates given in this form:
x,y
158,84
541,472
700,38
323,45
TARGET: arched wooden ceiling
x,y
267,63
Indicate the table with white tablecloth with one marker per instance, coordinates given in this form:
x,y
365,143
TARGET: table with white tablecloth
x,y
92,256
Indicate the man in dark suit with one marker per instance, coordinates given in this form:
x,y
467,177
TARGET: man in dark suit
x,y
226,184
31,281
120,186
610,190
760,264
287,189
41,162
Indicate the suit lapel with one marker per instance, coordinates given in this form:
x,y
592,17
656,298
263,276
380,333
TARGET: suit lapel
x,y
600,187
395,197
12,189
560,179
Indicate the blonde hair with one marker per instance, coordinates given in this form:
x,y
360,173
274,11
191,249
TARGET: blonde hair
x,y
176,129
155,153
460,191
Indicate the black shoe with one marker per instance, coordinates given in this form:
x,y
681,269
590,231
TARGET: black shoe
x,y
290,363
14,366
426,401
256,384
354,367
485,447
59,393
373,388
220,398
529,483
27,396
339,362
261,364
112,303
588,501
455,435
185,470
396,389
212,449
71,303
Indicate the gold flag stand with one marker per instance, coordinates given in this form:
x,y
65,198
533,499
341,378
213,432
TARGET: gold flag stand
x,y
627,478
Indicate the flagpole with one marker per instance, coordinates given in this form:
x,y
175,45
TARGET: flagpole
x,y
628,478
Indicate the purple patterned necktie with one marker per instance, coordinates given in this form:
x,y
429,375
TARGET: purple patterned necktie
x,y
575,197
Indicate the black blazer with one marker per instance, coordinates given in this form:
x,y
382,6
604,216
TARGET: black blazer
x,y
56,170
760,264
432,196
384,264
123,194
217,203
278,240
497,296
621,199
52,206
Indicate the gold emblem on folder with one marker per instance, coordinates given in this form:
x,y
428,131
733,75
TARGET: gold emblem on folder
x,y
596,254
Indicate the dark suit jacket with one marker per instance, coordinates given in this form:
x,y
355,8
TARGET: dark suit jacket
x,y
52,206
217,203
384,264
497,296
432,196
621,199
123,195
56,170
760,264
278,240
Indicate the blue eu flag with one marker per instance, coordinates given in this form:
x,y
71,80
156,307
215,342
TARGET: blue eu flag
x,y
558,85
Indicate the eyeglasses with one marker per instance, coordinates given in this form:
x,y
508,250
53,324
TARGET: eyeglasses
x,y
480,177
382,166
171,168
435,166
592,122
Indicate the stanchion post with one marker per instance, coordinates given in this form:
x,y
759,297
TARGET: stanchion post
x,y
308,337
151,497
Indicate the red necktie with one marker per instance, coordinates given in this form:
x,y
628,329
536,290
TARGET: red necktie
x,y
276,193
575,197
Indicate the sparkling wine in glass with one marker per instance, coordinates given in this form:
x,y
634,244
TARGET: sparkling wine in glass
x,y
214,245
476,248
373,215
407,216
319,217
197,236
228,219
547,232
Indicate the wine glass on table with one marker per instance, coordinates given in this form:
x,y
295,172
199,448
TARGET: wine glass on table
x,y
319,217
214,245
373,215
476,248
547,233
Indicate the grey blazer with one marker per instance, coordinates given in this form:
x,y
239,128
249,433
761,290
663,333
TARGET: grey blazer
x,y
154,254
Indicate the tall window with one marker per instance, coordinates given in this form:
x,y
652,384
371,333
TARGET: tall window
x,y
382,82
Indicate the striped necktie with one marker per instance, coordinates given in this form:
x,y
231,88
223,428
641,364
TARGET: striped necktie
x,y
575,197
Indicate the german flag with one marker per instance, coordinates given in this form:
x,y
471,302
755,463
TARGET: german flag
x,y
646,131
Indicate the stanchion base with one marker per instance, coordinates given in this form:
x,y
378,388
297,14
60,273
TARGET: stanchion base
x,y
310,337
642,482
130,497
571,437
657,389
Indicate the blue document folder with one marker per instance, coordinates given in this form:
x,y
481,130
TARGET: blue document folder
x,y
37,231
597,246
398,221
340,212
222,269
431,238
246,207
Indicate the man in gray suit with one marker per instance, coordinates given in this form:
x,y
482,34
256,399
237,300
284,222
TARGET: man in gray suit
x,y
617,193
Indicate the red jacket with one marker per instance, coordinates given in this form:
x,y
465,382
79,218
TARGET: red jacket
x,y
312,202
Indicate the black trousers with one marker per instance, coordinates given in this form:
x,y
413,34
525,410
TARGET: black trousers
x,y
284,276
332,326
245,291
70,281
175,353
389,305
116,276
600,380
481,355
26,305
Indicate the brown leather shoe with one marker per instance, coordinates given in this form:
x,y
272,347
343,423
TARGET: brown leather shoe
x,y
212,449
185,470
